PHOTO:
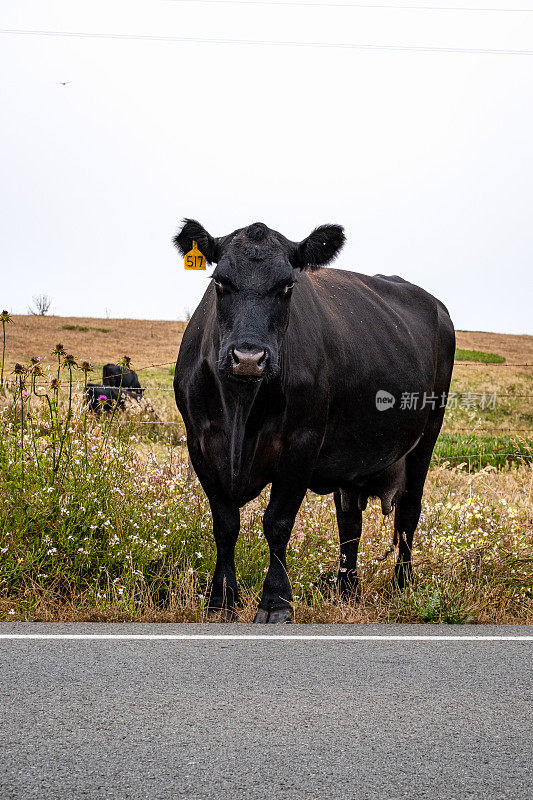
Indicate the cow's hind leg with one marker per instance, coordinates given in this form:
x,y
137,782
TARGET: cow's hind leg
x,y
349,522
409,505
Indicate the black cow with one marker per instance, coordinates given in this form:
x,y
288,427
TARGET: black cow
x,y
308,378
124,377
104,398
118,385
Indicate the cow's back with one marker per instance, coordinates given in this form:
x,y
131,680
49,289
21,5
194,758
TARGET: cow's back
x,y
368,327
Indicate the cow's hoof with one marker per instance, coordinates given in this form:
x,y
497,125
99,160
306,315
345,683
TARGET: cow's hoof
x,y
276,617
281,616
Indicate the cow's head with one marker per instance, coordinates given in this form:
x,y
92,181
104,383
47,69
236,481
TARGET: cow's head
x,y
256,270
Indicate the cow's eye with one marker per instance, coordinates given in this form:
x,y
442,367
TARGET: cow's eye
x,y
221,287
287,289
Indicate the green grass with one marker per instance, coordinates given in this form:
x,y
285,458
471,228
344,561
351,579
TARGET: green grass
x,y
119,535
478,355
85,328
479,451
117,527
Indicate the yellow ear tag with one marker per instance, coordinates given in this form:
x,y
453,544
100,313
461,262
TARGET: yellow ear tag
x,y
194,259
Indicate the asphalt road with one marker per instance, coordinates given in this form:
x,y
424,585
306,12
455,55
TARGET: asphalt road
x,y
287,718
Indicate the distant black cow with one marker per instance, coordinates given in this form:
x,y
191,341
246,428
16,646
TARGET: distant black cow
x,y
124,377
104,398
308,378
118,384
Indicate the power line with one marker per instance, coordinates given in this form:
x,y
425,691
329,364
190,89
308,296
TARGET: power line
x,y
353,5
267,42
476,433
78,385
468,456
489,364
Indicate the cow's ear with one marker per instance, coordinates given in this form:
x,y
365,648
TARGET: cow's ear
x,y
191,231
320,248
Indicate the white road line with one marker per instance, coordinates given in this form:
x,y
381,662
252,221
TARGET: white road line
x,y
219,637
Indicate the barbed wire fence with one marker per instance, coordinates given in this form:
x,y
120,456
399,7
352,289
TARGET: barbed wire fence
x,y
469,458
468,396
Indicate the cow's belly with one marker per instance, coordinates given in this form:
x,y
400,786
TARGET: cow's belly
x,y
356,454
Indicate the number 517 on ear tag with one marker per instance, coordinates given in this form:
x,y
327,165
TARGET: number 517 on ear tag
x,y
194,259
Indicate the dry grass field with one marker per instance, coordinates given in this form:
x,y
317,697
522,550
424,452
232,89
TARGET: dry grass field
x,y
157,341
515,349
145,341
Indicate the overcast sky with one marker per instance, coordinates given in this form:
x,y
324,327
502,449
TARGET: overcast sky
x,y
424,157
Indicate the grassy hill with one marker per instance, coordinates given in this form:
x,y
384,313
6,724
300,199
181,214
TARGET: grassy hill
x,y
157,341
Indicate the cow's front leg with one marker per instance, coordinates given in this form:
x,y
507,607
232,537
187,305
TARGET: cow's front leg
x,y
275,605
224,593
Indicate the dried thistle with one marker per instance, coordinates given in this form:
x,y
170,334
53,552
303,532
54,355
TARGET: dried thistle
x,y
69,361
4,316
54,383
125,361
19,369
58,350
86,367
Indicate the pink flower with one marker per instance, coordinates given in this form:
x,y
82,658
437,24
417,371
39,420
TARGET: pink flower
x,y
102,397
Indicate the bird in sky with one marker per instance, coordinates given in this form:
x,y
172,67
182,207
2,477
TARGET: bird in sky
x,y
63,83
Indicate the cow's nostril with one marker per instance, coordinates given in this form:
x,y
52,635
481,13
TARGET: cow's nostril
x,y
248,362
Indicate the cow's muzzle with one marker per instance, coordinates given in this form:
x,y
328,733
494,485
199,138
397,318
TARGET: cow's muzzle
x,y
248,363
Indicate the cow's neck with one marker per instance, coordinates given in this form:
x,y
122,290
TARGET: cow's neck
x,y
237,405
